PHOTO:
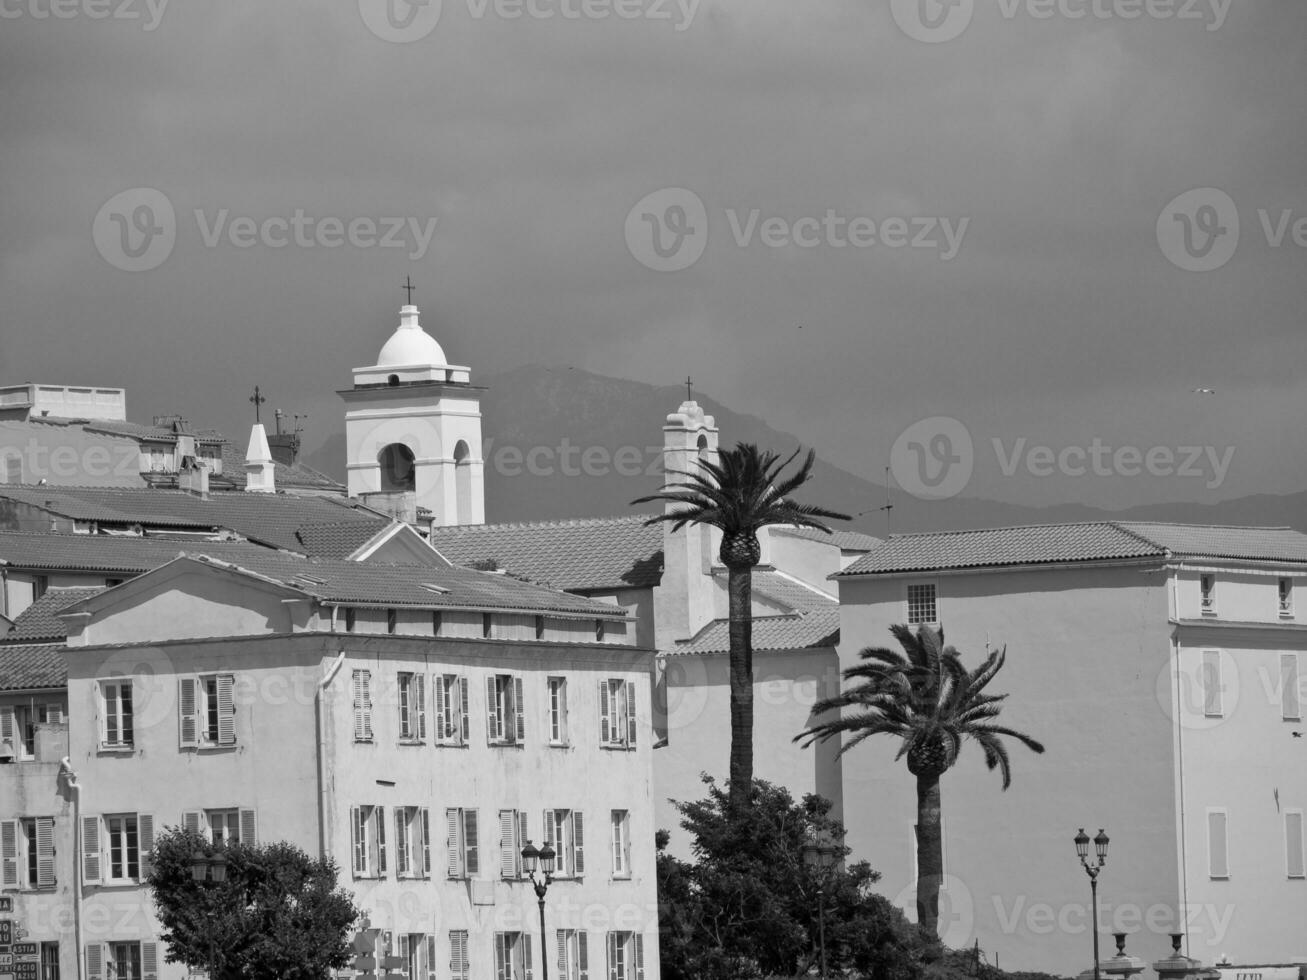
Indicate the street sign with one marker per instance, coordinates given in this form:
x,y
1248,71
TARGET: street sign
x,y
6,931
27,971
6,959
6,903
27,949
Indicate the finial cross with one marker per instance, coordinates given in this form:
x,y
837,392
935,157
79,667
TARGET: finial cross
x,y
409,287
258,400
689,388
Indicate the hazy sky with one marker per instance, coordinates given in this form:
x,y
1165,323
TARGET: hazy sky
x,y
1049,138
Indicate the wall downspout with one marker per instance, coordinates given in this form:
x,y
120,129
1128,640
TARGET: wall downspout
x,y
69,777
324,790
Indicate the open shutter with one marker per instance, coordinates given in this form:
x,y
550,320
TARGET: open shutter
x,y
604,733
507,852
191,821
464,715
379,815
578,843
630,713
145,843
583,956
188,722
249,828
453,843
494,728
519,714
403,865
94,961
444,730
562,955
429,954
7,731
420,700
226,710
360,732
9,853
549,830
45,852
357,841
612,957
528,961
470,838
501,961
637,948
150,961
90,851
424,819
522,836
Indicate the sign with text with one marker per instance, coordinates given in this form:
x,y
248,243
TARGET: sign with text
x,y
6,931
27,949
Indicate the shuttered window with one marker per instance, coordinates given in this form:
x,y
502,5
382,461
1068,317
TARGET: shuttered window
x,y
362,692
368,841
460,966
625,956
513,959
618,719
565,833
1290,692
451,709
505,711
462,843
123,854
573,955
1218,858
512,838
1294,858
1212,686
115,704
412,842
206,710
412,707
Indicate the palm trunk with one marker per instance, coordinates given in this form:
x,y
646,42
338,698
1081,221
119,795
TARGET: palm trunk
x,y
930,858
740,589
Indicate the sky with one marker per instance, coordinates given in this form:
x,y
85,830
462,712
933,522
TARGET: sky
x,y
906,231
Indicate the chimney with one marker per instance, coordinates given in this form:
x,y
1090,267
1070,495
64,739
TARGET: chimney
x,y
194,478
258,463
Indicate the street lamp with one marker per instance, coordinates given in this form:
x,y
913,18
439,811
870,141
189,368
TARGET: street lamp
x,y
1100,849
545,858
820,854
205,871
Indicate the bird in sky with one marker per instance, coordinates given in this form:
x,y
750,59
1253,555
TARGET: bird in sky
x,y
1204,391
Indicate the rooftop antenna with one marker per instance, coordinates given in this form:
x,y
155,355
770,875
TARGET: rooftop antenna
x,y
886,508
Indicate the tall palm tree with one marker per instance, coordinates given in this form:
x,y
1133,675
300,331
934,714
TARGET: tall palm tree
x,y
739,493
927,698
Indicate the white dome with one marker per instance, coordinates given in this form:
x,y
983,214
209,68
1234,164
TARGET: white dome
x,y
410,345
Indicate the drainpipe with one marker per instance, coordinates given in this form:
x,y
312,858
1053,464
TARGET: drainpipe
x,y
324,792
69,776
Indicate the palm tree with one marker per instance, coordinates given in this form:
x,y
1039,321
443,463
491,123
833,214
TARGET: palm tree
x,y
739,493
933,703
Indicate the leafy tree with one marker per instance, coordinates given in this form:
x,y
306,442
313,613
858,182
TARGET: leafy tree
x,y
740,493
278,915
927,698
748,906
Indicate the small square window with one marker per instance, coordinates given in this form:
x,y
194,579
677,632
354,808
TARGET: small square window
x,y
921,605
1207,588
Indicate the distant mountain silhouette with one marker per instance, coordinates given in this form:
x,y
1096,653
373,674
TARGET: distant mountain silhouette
x,y
561,442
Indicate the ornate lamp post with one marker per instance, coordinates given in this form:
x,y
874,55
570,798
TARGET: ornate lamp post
x,y
545,859
205,871
1100,849
820,854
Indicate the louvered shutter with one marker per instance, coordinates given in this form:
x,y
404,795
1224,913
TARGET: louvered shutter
x,y
444,730
464,715
453,843
7,729
578,843
528,961
226,710
604,734
501,965
145,843
188,722
507,852
470,838
45,852
402,859
424,817
1212,689
379,816
191,821
562,955
420,697
9,853
612,957
358,841
249,828
429,952
631,717
458,961
90,850
637,952
494,724
522,837
150,961
583,956
94,961
549,830
519,714
360,727
54,714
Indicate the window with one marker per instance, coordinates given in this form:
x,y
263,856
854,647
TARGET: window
x,y
412,842
451,710
1290,692
116,848
418,953
513,956
512,838
1212,688
621,840
27,853
363,706
368,841
557,711
461,843
573,956
921,605
617,715
412,708
122,961
392,618
564,832
1207,587
1286,598
116,714
50,961
125,961
505,722
206,711
351,617
625,956
1218,858
18,726
1295,864
224,826
460,968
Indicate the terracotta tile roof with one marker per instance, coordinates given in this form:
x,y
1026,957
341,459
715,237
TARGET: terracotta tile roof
x,y
844,540
813,620
338,539
107,553
590,553
29,667
297,476
39,620
1061,543
789,591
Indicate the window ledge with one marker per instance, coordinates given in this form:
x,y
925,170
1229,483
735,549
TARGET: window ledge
x,y
116,749
411,741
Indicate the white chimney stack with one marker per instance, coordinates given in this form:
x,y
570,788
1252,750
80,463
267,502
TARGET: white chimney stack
x,y
258,463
